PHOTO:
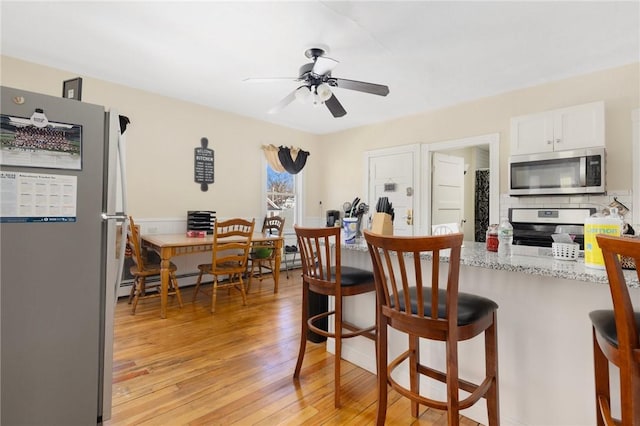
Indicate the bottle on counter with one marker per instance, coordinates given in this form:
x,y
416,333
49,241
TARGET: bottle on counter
x,y
505,238
492,238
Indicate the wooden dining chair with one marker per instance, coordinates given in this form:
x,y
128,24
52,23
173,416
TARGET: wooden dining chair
x,y
263,255
419,301
141,270
230,252
616,337
324,274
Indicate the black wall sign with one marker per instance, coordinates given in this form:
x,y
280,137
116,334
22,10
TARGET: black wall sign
x,y
203,165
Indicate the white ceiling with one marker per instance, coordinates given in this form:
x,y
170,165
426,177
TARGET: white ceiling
x,y
431,54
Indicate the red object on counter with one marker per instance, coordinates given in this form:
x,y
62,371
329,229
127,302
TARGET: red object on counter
x,y
198,234
492,242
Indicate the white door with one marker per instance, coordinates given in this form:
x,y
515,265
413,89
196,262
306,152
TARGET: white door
x,y
447,189
391,175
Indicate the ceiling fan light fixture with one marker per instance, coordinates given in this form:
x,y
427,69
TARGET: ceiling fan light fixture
x,y
316,83
324,91
302,94
317,100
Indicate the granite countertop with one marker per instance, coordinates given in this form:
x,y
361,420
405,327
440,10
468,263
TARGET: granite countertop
x,y
528,260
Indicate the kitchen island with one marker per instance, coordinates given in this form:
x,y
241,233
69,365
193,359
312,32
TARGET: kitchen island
x,y
544,332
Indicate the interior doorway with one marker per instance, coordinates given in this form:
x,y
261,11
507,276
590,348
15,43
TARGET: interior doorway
x,y
471,149
448,189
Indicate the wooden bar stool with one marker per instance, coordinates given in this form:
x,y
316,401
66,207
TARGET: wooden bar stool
x,y
616,337
323,274
413,301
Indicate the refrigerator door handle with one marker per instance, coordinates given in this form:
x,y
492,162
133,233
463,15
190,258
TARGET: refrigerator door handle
x,y
119,217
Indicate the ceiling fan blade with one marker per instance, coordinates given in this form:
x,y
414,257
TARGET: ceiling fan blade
x,y
283,103
269,79
335,106
361,86
323,65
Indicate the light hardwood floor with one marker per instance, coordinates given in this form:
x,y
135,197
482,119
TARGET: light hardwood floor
x,y
235,367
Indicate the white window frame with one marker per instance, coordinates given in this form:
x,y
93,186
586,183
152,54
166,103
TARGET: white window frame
x,y
298,211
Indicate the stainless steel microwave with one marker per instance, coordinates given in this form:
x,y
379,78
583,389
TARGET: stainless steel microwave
x,y
579,171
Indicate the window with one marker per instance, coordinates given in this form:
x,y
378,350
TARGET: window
x,y
283,198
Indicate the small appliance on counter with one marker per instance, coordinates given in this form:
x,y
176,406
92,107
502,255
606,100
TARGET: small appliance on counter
x,y
333,218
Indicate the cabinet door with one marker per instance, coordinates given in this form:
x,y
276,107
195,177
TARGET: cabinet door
x,y
532,133
580,126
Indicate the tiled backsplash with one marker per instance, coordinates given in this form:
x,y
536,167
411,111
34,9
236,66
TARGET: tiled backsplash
x,y
566,201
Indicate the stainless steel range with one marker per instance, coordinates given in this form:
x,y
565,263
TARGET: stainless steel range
x,y
534,226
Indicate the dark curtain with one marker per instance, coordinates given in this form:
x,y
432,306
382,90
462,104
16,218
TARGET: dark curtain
x,y
290,165
482,204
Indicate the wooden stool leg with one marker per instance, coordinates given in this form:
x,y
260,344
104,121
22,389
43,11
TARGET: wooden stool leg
x,y
338,344
491,361
453,394
601,372
414,377
304,330
628,401
381,356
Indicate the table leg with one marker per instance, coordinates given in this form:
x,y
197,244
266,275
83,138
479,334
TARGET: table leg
x,y
164,281
277,261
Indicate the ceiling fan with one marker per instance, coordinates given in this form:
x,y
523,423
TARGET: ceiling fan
x,y
317,83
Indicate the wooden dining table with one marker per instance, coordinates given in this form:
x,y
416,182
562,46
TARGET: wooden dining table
x,y
171,245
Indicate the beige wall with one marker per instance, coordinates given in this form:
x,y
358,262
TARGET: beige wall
x,y
164,132
619,88
160,143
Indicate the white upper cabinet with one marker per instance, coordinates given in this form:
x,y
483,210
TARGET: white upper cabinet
x,y
580,126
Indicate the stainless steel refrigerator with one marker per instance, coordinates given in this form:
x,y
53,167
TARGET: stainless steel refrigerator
x,y
58,262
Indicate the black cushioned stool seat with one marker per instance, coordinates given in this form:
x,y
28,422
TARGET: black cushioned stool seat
x,y
470,306
604,322
352,276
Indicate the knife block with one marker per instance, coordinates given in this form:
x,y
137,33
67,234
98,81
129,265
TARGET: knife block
x,y
381,224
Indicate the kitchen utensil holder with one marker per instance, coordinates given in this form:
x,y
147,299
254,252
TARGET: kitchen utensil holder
x,y
565,251
381,224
